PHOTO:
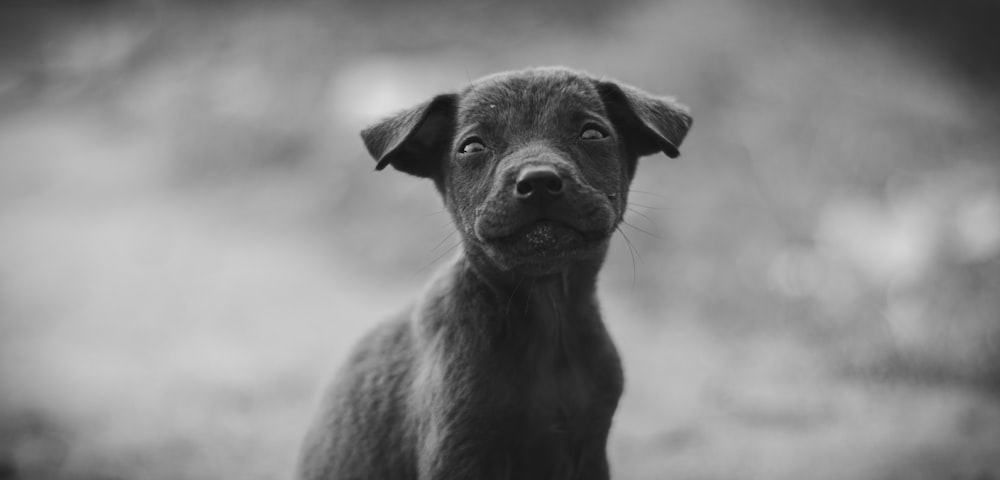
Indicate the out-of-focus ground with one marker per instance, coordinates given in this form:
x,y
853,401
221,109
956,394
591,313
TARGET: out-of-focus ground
x,y
191,234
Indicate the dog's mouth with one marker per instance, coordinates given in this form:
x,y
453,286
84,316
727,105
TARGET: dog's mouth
x,y
547,236
540,238
544,244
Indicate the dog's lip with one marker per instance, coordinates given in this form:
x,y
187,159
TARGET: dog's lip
x,y
543,244
541,223
544,222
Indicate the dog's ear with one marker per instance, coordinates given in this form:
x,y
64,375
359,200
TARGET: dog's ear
x,y
413,140
648,122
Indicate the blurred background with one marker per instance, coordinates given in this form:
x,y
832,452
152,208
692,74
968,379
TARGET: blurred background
x,y
191,234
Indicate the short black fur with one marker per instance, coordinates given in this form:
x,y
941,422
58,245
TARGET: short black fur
x,y
503,368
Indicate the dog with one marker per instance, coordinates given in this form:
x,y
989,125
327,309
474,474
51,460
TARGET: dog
x,y
503,369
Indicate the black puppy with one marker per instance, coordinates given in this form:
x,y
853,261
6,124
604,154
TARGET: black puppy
x,y
503,369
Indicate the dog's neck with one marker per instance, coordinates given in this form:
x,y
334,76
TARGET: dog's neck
x,y
531,313
571,285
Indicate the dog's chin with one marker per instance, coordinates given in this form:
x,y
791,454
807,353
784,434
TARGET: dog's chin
x,y
544,247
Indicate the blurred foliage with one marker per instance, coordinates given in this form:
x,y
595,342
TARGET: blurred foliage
x,y
960,36
191,233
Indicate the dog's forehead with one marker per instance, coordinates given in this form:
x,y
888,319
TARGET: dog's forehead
x,y
541,94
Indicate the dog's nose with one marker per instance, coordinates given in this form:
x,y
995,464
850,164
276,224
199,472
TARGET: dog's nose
x,y
538,182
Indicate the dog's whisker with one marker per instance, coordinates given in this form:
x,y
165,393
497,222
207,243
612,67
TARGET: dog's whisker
x,y
647,232
431,214
650,207
445,239
631,245
527,300
511,299
643,192
643,215
632,253
439,257
447,224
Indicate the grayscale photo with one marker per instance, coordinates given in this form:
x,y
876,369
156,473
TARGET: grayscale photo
x,y
503,240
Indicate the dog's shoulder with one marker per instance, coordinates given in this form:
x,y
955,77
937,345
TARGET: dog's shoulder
x,y
357,412
391,339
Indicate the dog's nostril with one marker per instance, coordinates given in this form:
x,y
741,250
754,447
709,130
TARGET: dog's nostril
x,y
554,185
524,188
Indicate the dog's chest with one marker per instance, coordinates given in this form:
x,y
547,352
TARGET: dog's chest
x,y
547,420
556,383
549,398
559,388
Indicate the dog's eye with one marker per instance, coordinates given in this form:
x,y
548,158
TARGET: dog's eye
x,y
472,145
593,132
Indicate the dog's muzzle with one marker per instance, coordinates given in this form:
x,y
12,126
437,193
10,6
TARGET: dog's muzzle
x,y
540,211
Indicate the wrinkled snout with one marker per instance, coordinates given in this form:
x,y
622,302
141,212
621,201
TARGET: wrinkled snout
x,y
539,186
541,212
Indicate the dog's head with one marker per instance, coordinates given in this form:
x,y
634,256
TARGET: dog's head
x,y
534,165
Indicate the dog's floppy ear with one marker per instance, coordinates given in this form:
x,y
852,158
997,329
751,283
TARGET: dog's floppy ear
x,y
413,140
648,122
